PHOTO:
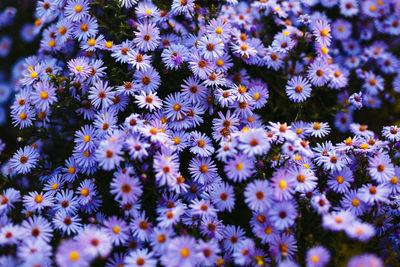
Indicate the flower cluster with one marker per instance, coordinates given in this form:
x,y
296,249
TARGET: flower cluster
x,y
156,133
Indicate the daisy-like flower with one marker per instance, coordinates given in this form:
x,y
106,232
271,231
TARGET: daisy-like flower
x,y
147,37
79,67
254,142
317,256
298,89
140,257
141,227
127,3
75,10
25,159
284,246
43,96
391,133
180,251
148,101
37,227
182,6
193,90
283,214
353,203
117,230
175,106
147,80
319,72
208,252
109,154
338,221
283,184
381,168
95,241
340,181
322,32
174,55
126,187
146,10
211,47
319,129
201,144
138,61
85,28
202,208
370,193
360,231
70,253
101,95
223,196
239,168
258,195
202,169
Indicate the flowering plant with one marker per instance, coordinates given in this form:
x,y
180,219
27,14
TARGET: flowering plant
x,y
202,133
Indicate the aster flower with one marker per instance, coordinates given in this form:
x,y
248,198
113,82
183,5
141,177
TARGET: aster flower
x,y
321,31
25,159
370,193
258,195
202,169
138,60
174,55
211,47
140,257
71,253
85,28
380,168
283,214
181,251
283,184
391,133
298,89
76,10
319,72
147,37
317,256
80,67
101,95
361,231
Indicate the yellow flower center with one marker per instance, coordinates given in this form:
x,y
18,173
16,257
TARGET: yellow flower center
x,y
38,199
324,33
85,192
78,8
71,170
44,95
92,42
218,30
355,202
282,184
74,255
185,253
109,44
340,179
220,62
54,186
314,258
256,96
239,166
116,230
86,138
33,74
